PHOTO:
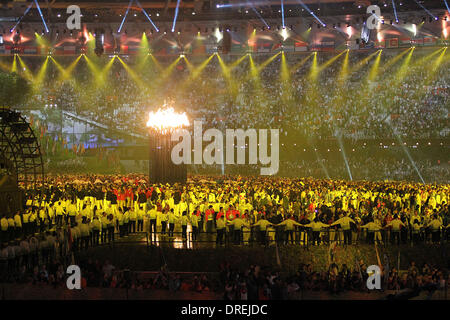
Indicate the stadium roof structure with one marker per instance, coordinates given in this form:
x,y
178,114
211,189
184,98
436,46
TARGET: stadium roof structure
x,y
201,10
118,26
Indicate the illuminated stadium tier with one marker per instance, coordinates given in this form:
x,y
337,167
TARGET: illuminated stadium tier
x,y
161,124
21,158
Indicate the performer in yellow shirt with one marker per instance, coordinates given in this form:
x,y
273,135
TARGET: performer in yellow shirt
x,y
262,224
316,227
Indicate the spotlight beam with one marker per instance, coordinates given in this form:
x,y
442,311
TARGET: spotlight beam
x,y
341,145
426,10
260,17
374,70
14,64
299,64
446,4
143,51
26,70
362,63
344,69
395,11
392,61
68,72
256,69
432,73
313,68
168,70
25,13
339,97
254,76
403,69
196,72
132,74
324,169
235,63
63,73
156,62
41,74
42,16
285,80
176,15
226,71
265,63
330,61
400,141
41,41
147,16
106,68
284,69
190,66
316,70
312,13
426,59
94,69
125,16
282,13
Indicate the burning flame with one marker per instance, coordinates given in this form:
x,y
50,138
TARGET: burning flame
x,y
167,119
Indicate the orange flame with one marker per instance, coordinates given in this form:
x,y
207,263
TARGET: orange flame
x,y
166,120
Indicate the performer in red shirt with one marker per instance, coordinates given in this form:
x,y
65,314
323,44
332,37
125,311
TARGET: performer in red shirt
x,y
220,214
208,212
120,197
209,218
149,192
129,196
232,213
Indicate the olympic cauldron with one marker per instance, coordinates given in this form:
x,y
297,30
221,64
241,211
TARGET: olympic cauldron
x,y
161,125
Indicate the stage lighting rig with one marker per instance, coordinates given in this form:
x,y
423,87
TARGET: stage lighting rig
x,y
16,38
99,41
117,43
81,40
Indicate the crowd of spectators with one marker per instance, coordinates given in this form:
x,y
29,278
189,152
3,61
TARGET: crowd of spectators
x,y
371,100
366,101
263,283
254,283
363,168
